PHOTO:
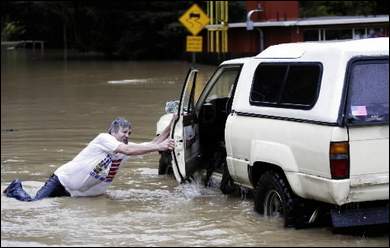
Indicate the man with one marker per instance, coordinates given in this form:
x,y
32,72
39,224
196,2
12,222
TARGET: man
x,y
93,169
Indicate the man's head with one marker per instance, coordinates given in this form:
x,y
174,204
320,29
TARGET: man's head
x,y
120,128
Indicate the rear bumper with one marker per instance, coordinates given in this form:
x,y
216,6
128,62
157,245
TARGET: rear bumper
x,y
340,192
362,216
369,188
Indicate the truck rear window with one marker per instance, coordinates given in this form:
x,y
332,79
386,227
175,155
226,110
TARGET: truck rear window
x,y
368,92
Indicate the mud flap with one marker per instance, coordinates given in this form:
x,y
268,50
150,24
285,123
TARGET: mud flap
x,y
359,217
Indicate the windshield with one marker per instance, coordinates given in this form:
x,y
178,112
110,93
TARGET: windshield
x,y
368,94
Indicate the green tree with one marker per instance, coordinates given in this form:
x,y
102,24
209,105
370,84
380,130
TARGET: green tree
x,y
342,8
11,31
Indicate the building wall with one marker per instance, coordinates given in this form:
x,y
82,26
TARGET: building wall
x,y
248,41
274,10
243,41
279,35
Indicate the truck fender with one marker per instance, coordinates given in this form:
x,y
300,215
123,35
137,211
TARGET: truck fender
x,y
265,151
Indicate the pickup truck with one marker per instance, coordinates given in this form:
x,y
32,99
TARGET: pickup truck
x,y
304,125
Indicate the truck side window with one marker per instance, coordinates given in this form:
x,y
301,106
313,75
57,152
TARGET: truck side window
x,y
268,82
286,85
301,85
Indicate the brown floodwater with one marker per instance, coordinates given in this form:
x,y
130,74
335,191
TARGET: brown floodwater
x,y
51,108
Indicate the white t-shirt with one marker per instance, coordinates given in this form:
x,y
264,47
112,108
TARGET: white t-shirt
x,y
93,169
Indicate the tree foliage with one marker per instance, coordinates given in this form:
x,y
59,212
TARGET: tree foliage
x,y
11,30
129,29
343,8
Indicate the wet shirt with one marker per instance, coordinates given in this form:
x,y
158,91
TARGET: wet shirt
x,y
93,169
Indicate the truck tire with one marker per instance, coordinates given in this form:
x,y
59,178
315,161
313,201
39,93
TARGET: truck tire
x,y
274,198
165,164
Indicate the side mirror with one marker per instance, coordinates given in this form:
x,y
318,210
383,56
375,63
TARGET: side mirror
x,y
172,107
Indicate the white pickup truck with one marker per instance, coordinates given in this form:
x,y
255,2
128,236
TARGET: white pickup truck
x,y
305,125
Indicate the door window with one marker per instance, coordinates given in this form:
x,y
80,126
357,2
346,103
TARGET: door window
x,y
221,84
188,93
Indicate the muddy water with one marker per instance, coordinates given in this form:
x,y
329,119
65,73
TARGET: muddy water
x,y
50,109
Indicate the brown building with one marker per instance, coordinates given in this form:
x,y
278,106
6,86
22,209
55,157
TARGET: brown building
x,y
273,22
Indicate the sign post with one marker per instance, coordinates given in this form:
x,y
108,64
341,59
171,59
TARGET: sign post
x,y
194,19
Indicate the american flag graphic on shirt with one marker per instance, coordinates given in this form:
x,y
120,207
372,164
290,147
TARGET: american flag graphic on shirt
x,y
106,162
113,170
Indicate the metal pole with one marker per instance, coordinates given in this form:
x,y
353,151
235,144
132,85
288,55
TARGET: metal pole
x,y
193,58
208,32
212,22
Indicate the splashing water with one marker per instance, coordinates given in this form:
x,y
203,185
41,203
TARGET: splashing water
x,y
244,192
191,190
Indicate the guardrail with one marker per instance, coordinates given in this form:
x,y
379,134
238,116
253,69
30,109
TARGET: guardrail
x,y
17,43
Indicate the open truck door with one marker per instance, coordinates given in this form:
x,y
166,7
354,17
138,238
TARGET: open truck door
x,y
186,155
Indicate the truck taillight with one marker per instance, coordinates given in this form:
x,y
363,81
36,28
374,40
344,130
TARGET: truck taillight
x,y
339,160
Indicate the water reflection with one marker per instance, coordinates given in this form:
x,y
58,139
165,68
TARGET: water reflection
x,y
55,108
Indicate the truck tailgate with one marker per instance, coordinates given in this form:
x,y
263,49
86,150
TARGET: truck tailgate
x,y
369,151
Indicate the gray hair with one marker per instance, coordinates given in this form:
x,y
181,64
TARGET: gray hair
x,y
117,123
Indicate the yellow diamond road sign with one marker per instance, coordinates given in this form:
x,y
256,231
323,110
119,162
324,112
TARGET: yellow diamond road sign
x,y
194,19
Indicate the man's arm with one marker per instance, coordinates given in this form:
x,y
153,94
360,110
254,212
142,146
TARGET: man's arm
x,y
147,147
165,133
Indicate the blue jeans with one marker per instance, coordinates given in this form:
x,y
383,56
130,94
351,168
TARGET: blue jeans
x,y
52,188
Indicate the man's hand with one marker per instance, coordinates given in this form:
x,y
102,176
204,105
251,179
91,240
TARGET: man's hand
x,y
167,144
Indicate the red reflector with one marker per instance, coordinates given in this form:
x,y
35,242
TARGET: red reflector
x,y
339,168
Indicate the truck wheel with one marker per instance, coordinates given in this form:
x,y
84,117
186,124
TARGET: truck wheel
x,y
274,198
165,164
